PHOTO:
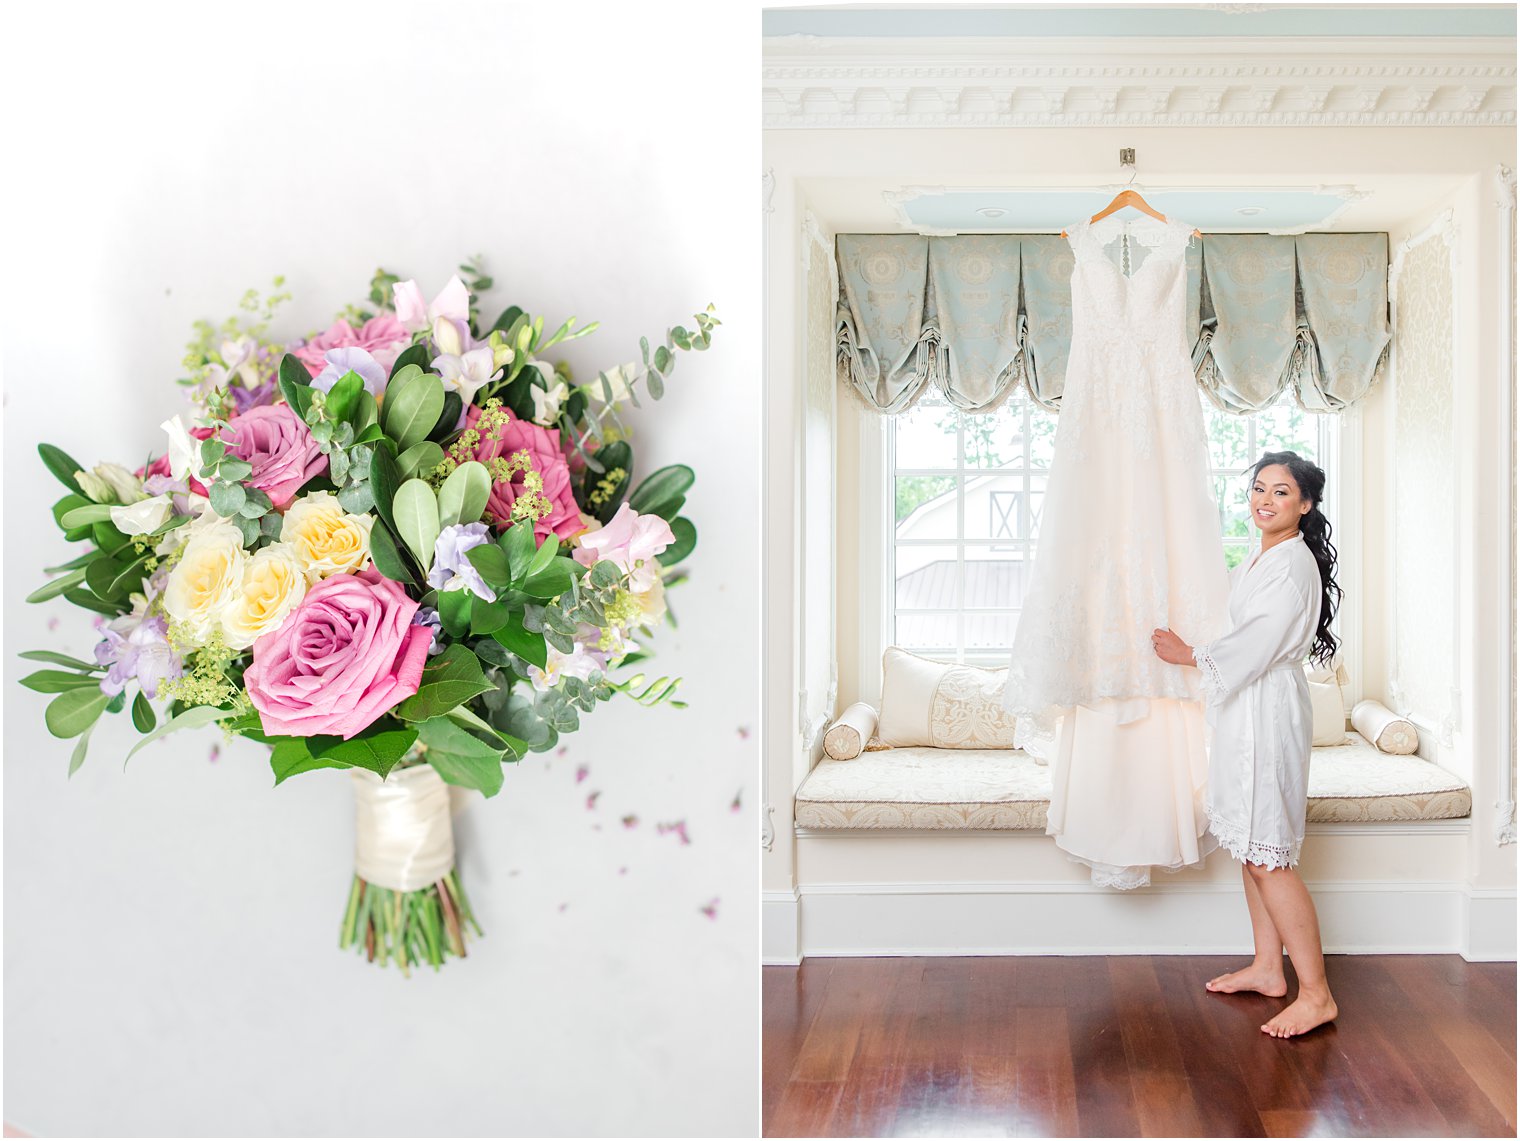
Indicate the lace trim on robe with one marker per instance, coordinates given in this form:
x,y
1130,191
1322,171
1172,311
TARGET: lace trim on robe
x,y
1214,688
1242,847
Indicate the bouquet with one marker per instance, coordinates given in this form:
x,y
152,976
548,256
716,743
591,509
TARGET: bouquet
x,y
407,546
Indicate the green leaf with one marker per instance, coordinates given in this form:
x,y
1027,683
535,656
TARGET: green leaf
x,y
369,434
192,718
544,555
227,498
518,543
416,511
662,359
62,465
451,678
388,559
295,384
58,681
453,405
81,746
467,717
343,396
454,611
71,713
57,659
58,586
419,459
212,451
509,317
611,456
83,516
101,575
685,541
461,758
378,752
86,600
553,580
357,498
413,401
463,495
487,617
366,416
384,479
663,491
526,645
234,469
491,561
142,714
417,355
605,573
290,756
62,508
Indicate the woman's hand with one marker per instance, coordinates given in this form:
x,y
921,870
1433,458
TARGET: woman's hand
x,y
1170,648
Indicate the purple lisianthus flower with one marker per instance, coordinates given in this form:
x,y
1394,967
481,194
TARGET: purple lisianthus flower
x,y
452,569
350,359
246,398
427,616
135,646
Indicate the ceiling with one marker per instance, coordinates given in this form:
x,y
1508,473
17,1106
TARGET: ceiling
x,y
1168,20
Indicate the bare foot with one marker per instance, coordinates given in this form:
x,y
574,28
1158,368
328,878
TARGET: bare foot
x,y
1263,980
1301,1015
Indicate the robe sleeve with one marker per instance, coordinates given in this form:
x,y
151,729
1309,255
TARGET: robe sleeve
x,y
1271,625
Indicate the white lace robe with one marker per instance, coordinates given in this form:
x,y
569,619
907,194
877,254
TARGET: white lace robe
x,y
1258,706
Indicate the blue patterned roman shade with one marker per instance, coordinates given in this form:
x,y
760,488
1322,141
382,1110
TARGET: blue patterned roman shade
x,y
977,315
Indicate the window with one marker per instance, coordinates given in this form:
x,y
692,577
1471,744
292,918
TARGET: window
x,y
967,492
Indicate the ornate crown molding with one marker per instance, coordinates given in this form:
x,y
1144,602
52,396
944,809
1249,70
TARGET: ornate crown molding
x,y
811,82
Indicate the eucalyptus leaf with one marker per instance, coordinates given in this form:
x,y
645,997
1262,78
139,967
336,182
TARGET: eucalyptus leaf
x,y
234,469
463,496
227,498
416,511
356,498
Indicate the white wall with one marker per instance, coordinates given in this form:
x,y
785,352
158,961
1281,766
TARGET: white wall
x,y
1414,173
171,965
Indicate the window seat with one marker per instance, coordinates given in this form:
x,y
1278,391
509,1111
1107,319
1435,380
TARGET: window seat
x,y
1006,789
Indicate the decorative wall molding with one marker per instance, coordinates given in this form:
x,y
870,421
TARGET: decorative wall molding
x,y
819,82
1504,184
1421,707
767,208
943,918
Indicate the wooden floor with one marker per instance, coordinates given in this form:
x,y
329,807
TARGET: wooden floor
x,y
1133,1046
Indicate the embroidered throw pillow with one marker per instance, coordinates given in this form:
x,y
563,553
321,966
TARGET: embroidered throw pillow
x,y
941,705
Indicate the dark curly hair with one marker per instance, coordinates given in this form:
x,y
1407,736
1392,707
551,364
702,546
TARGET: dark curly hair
x,y
1315,529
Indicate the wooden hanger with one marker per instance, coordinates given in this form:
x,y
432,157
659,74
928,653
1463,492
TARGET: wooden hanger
x,y
1125,198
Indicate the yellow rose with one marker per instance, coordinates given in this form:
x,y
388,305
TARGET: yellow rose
x,y
326,539
208,576
274,582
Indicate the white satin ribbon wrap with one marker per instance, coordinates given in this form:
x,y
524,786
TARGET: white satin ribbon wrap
x,y
403,839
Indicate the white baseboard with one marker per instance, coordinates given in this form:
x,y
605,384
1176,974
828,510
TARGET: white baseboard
x,y
779,942
1489,924
1182,919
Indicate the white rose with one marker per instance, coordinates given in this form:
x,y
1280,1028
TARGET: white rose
x,y
143,517
206,580
274,582
325,538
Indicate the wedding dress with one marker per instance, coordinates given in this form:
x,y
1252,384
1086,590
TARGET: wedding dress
x,y
1129,542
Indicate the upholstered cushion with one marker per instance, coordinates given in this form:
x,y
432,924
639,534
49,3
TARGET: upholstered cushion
x,y
941,705
1384,728
848,736
1328,704
974,788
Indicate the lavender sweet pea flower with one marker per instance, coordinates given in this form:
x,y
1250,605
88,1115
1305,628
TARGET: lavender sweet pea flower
x,y
246,398
427,616
136,647
350,359
452,569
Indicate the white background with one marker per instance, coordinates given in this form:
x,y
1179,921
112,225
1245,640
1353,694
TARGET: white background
x,y
170,930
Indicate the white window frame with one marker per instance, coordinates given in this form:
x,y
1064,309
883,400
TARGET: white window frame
x,y
1343,502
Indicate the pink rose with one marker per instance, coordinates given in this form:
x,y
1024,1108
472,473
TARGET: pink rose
x,y
346,654
160,466
383,337
280,447
543,448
